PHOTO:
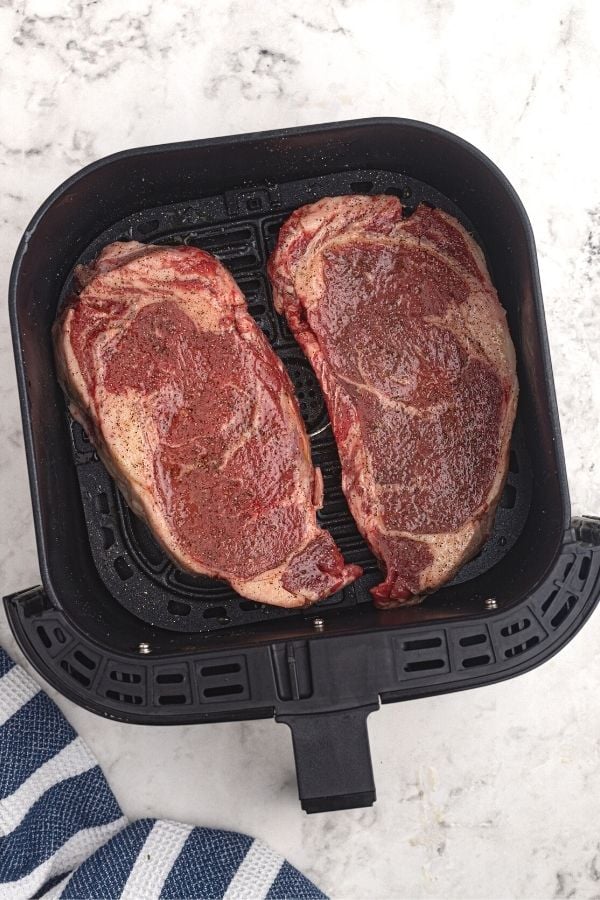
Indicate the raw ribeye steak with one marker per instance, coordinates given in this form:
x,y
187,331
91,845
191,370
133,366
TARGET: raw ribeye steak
x,y
195,417
404,329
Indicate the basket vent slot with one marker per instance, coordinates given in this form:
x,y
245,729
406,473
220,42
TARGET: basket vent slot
x,y
584,568
257,309
125,677
471,640
177,608
515,627
108,537
477,644
224,690
312,405
226,240
51,637
173,685
44,637
423,644
169,678
424,665
253,290
225,669
133,699
471,661
75,673
249,605
420,654
564,611
122,568
395,190
271,230
220,679
511,652
216,612
85,661
247,261
548,601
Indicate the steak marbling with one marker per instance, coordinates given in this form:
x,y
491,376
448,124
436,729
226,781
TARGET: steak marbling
x,y
195,417
406,334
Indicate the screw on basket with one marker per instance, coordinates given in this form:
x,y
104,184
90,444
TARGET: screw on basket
x,y
319,624
144,648
491,603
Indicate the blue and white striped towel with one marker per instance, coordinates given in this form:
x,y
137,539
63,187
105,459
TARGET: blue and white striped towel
x,y
62,833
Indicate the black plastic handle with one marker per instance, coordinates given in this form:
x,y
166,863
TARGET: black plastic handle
x,y
333,760
331,746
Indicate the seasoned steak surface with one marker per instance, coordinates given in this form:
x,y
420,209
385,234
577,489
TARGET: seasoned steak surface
x,y
406,334
196,419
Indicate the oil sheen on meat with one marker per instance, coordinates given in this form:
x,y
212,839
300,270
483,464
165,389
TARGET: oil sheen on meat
x,y
404,329
196,419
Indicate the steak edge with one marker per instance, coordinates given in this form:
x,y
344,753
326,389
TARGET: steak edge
x,y
404,330
195,417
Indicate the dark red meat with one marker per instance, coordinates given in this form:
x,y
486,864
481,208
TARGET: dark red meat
x,y
404,329
195,417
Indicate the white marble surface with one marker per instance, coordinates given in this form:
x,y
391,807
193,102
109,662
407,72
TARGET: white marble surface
x,y
491,793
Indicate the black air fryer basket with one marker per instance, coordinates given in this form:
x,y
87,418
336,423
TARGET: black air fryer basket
x,y
117,628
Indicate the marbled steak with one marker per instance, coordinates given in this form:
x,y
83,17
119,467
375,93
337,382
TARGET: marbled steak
x,y
196,419
406,334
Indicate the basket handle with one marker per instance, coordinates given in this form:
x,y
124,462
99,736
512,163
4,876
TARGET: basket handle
x,y
333,759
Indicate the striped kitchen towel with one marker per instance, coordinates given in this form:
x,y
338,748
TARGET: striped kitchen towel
x,y
62,833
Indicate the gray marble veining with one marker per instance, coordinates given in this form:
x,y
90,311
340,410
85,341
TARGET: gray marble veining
x,y
491,793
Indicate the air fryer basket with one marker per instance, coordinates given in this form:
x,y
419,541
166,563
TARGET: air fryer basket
x,y
121,631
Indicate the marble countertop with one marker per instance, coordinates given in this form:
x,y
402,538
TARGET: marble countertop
x,y
489,793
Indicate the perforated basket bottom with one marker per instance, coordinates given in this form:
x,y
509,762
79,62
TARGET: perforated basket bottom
x,y
240,228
